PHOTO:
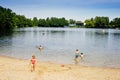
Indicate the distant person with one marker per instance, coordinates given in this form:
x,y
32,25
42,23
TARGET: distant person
x,y
43,33
40,48
76,53
33,63
76,56
81,55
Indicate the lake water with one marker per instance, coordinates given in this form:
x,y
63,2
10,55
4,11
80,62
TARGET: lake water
x,y
101,47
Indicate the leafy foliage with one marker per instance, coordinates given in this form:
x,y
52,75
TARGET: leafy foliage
x,y
6,20
115,23
52,22
102,22
71,21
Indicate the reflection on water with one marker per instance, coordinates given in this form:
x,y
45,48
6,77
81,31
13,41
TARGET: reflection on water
x,y
101,47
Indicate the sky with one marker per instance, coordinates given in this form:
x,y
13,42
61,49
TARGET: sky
x,y
79,10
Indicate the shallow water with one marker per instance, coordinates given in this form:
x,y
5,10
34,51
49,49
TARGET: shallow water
x,y
101,47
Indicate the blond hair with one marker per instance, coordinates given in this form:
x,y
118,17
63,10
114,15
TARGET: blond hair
x,y
33,56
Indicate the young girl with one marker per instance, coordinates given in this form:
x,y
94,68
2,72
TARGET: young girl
x,y
33,63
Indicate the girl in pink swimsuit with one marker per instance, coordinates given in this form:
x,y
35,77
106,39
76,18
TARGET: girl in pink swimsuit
x,y
33,63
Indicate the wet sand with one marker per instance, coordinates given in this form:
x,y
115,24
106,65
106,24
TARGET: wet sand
x,y
18,69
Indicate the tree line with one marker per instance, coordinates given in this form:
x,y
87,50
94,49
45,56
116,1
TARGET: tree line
x,y
10,20
22,21
102,22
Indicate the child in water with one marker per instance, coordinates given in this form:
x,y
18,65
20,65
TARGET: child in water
x,y
33,63
40,48
76,53
76,56
81,56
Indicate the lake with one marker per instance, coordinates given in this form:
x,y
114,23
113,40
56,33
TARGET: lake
x,y
101,47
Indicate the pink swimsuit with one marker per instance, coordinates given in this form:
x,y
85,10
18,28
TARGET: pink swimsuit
x,y
33,61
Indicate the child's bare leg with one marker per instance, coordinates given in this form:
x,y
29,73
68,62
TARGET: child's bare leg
x,y
34,67
31,67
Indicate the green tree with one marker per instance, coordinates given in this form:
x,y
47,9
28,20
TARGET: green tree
x,y
29,23
62,22
35,21
42,23
58,22
21,21
89,23
6,20
115,23
71,21
47,22
101,22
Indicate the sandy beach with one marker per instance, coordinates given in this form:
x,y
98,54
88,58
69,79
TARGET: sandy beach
x,y
18,69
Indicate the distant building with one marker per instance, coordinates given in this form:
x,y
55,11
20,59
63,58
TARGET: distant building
x,y
79,23
72,24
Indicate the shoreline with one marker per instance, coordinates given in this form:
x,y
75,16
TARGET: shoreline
x,y
4,56
12,69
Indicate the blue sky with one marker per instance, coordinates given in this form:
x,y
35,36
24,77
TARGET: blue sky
x,y
70,9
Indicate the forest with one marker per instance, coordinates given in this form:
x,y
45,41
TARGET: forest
x,y
10,20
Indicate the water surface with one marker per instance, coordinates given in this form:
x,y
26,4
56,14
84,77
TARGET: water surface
x,y
101,47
